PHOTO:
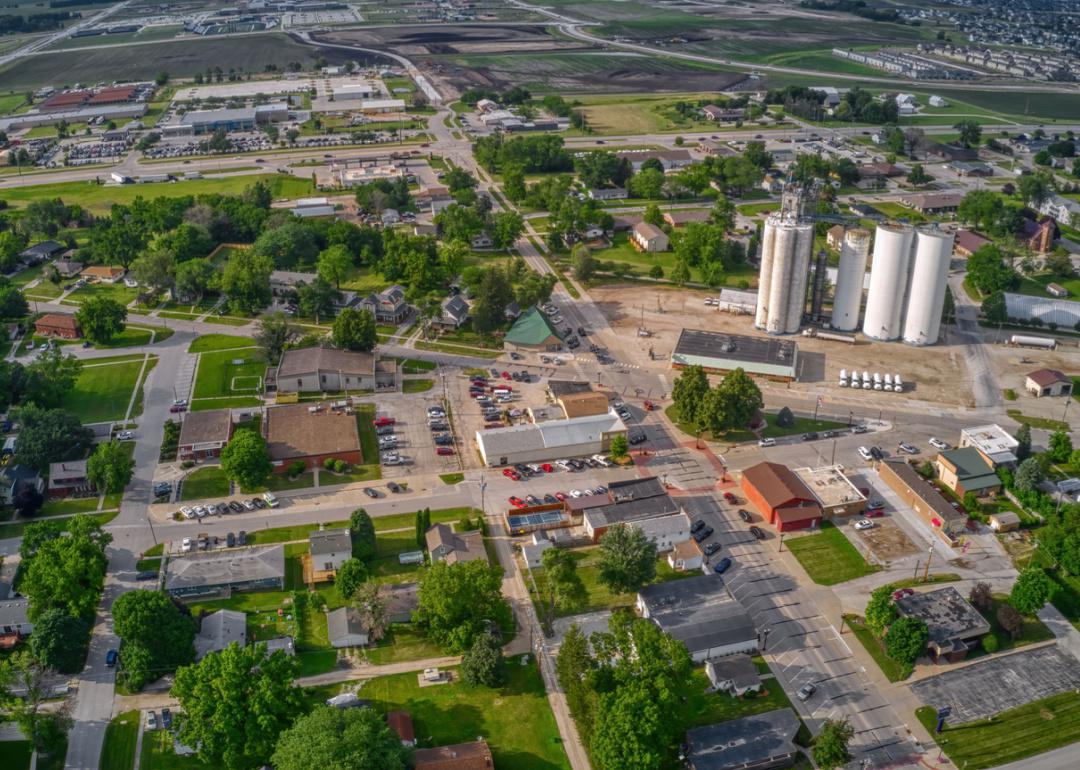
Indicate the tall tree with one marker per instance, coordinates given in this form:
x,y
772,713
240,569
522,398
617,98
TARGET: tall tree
x,y
1023,442
688,393
59,641
627,558
155,269
48,436
101,318
1032,589
45,729
1060,446
355,330
50,377
245,459
565,589
274,332
483,663
193,279
350,576
906,640
332,739
970,133
158,635
456,599
236,703
334,264
881,609
110,467
362,532
318,298
68,572
370,601
831,744
246,281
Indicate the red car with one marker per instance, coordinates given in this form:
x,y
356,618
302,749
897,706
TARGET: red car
x,y
506,375
546,467
560,496
516,501
444,450
178,408
382,421
731,498
898,595
510,473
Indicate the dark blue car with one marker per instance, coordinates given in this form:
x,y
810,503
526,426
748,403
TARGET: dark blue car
x,y
111,657
722,566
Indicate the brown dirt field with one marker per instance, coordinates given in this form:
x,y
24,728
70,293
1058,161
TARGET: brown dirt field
x,y
932,374
886,540
1013,365
456,38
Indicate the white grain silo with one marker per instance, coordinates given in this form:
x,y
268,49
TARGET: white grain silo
x,y
786,244
888,281
768,247
849,280
926,292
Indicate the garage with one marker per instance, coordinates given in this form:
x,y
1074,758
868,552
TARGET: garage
x,y
781,497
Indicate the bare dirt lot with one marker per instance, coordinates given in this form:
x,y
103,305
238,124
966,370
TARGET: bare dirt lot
x,y
935,374
454,38
886,540
1013,365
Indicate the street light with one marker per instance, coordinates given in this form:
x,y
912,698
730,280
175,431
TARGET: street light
x,y
765,637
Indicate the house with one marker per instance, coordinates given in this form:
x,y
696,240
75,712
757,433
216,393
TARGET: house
x,y
781,497
994,443
327,370
211,573
1057,290
311,433
401,723
533,550
481,241
68,478
649,238
345,628
772,182
1061,209
389,217
1048,382
329,548
584,404
923,498
388,306
103,273
758,742
537,443
39,252
14,621
460,756
401,601
533,330
954,625
932,203
219,630
1005,521
834,237
968,242
14,476
58,325
204,434
680,217
444,544
966,470
607,193
512,311
669,159
736,675
967,168
686,557
68,268
455,312
702,614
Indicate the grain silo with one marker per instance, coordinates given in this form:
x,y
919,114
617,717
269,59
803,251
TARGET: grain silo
x,y
849,280
786,244
926,290
888,281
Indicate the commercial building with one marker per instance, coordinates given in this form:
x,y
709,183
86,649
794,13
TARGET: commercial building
x,y
382,106
966,470
204,434
533,330
834,491
1048,382
702,614
954,625
58,325
775,359
345,628
551,440
584,404
461,756
736,675
444,544
640,503
68,478
352,176
932,203
923,497
228,120
758,742
781,497
993,442
669,159
327,370
329,549
222,573
311,434
74,114
649,238
218,630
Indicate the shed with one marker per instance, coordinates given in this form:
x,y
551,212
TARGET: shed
x,y
1048,382
1006,521
734,674
685,556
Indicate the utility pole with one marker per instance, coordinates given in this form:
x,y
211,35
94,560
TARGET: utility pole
x,y
929,557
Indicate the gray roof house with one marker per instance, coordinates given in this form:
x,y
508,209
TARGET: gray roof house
x,y
14,476
223,572
702,614
387,306
735,674
39,252
14,622
759,742
955,626
444,544
345,628
219,630
329,548
402,600
313,370
455,312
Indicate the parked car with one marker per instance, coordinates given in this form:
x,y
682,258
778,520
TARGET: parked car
x,y
125,435
636,438
767,442
241,538
864,453
575,493
249,505
382,422
860,429
745,515
560,496
516,501
722,566
938,444
757,532
186,512
270,500
712,548
876,453
151,720
166,718
146,575
549,498
230,540
444,450
806,692
904,446
511,474
370,492
898,595
235,507
176,408
393,486
862,524
259,503
703,534
697,525
111,657
810,436
186,545
731,498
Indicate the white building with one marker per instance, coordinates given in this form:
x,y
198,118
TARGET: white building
x,y
993,442
1064,210
330,548
702,614
556,439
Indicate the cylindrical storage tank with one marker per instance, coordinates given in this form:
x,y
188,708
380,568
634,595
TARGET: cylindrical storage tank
x,y
888,281
800,276
849,280
929,276
768,244
780,289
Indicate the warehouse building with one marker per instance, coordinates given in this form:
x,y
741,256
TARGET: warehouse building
x,y
781,497
239,119
770,357
923,498
550,440
702,614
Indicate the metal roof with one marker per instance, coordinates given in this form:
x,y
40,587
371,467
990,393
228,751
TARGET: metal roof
x,y
554,434
707,344
754,741
698,611
219,568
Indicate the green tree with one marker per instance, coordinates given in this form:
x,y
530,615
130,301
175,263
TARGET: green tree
x,y
1023,442
653,215
970,133
514,182
565,590
456,599
354,330
45,729
688,394
680,274
236,703
918,177
1028,475
48,436
1032,589
656,271
318,298
1060,446
245,281
880,609
483,662
993,308
620,447
423,524
49,378
987,270
12,302
723,213
362,532
101,318
194,278
1010,620
627,558
738,400
110,467
584,262
979,207
506,228
288,245
350,576
830,748
273,333
245,459
495,293
158,635
155,269
334,264
905,640
785,418
59,641
333,738
68,572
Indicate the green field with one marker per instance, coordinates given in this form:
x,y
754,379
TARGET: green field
x,y
206,343
640,262
218,376
102,391
157,754
829,557
1035,285
99,198
203,483
118,751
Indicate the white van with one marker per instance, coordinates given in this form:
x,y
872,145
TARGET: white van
x,y
767,442
270,500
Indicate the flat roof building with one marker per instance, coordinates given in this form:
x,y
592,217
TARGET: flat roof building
x,y
995,443
320,370
717,352
584,404
223,572
702,614
550,440
311,433
955,626
835,492
641,503
751,743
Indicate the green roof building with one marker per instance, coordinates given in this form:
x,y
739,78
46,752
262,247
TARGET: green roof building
x,y
966,470
533,331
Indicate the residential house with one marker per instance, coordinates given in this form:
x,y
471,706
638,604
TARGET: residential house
x,y
204,434
966,470
345,628
212,573
735,674
533,330
68,479
1061,209
328,370
103,273
772,182
1048,382
649,238
14,622
218,630
444,544
14,476
329,549
1057,290
955,626
781,497
533,550
455,312
58,325
968,242
389,217
607,193
481,241
758,742
388,306
702,614
686,557
460,756
311,433
39,252
68,268
834,237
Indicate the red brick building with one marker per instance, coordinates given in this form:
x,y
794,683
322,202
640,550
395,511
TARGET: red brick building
x,y
311,433
781,497
58,325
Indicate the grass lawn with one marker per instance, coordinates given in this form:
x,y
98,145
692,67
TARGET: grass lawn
x,y
204,482
70,505
771,430
459,350
135,336
118,751
828,557
148,565
1035,285
206,343
514,719
641,263
417,386
157,754
369,441
102,391
1033,630
402,642
117,291
452,478
230,373
282,481
415,365
892,670
355,475
16,529
703,708
18,755
1044,423
1011,735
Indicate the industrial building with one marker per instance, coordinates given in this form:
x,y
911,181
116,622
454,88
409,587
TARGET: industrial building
x,y
702,614
531,443
239,119
907,284
850,275
718,352
786,245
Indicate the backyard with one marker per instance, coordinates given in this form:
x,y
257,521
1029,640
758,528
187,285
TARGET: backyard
x,y
829,557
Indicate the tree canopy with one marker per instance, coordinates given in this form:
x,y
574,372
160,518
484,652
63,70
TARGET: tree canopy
x,y
67,572
354,330
110,467
158,635
627,558
330,738
456,600
245,459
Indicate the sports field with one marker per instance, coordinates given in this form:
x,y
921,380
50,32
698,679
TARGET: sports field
x,y
229,378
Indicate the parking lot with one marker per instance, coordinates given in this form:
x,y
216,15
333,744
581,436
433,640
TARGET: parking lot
x,y
415,444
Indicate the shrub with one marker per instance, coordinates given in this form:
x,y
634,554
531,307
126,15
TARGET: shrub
x,y
328,463
341,466
296,468
990,643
